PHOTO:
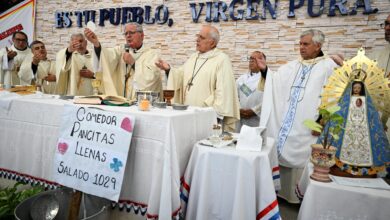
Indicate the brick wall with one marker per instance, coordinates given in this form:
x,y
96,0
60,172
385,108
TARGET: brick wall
x,y
277,38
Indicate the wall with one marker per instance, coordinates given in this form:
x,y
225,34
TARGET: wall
x,y
277,38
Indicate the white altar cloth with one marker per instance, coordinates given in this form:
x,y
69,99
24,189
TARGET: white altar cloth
x,y
323,201
226,183
161,145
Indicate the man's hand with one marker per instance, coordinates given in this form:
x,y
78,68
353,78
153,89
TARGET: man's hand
x,y
338,59
91,37
163,65
73,46
128,58
86,73
261,63
246,113
36,60
50,77
10,53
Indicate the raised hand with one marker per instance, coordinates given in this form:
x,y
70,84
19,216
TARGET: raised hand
x,y
91,37
128,58
10,53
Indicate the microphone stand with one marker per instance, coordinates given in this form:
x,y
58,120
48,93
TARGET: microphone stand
x,y
127,72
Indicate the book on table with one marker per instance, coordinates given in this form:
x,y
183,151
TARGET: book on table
x,y
102,100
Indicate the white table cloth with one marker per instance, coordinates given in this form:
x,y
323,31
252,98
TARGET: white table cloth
x,y
161,145
225,183
322,201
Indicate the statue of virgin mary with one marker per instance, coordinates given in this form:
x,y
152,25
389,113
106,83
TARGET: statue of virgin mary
x,y
362,92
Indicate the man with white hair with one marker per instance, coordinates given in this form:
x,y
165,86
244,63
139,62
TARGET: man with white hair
x,y
206,78
292,94
74,68
126,69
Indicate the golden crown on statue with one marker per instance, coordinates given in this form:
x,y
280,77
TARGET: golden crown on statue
x,y
359,68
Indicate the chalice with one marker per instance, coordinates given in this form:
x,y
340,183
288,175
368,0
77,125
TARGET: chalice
x,y
96,83
168,95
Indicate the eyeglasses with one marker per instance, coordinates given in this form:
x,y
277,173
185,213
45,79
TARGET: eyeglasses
x,y
130,33
386,24
20,40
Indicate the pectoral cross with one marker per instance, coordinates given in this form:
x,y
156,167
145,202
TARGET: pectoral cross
x,y
189,84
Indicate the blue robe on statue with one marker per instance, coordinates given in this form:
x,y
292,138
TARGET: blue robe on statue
x,y
363,147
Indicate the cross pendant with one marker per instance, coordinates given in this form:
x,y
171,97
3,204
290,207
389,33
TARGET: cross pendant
x,y
189,85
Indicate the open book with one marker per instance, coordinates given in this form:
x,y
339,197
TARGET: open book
x,y
102,100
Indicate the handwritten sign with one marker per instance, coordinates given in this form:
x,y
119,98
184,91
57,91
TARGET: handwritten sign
x,y
92,150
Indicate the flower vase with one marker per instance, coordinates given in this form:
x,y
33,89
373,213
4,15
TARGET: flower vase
x,y
323,160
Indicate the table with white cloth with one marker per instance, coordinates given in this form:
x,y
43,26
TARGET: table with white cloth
x,y
226,183
161,146
333,201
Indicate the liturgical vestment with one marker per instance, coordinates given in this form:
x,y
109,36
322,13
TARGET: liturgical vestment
x,y
45,67
144,75
9,68
206,80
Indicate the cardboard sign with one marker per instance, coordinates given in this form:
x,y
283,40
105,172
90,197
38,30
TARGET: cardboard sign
x,y
92,150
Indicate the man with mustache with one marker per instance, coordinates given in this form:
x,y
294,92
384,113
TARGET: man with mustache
x,y
11,59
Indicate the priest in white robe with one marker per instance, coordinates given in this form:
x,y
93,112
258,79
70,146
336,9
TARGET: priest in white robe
x,y
206,79
128,68
74,68
292,94
250,88
38,69
12,58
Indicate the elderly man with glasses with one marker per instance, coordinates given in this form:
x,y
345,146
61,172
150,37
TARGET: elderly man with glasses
x,y
12,58
127,68
292,94
250,88
206,79
74,68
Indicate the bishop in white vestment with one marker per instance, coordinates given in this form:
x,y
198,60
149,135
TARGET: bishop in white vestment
x,y
292,95
74,68
130,68
206,79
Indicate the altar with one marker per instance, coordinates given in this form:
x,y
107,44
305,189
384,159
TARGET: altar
x,y
161,146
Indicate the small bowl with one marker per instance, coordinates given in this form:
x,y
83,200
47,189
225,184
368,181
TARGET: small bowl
x,y
179,107
160,104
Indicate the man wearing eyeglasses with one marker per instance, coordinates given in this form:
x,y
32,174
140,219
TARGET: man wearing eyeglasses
x,y
250,88
206,79
292,94
38,69
383,55
129,68
74,68
11,58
